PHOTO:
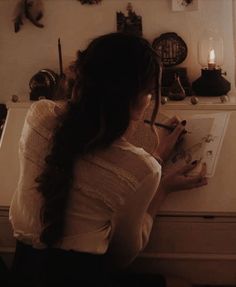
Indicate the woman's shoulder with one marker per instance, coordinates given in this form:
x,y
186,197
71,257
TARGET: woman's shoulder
x,y
135,159
45,106
44,114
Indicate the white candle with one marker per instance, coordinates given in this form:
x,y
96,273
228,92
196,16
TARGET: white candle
x,y
211,59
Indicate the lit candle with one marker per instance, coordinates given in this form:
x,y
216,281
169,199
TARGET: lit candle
x,y
211,59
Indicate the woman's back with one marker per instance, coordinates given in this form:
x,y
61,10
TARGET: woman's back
x,y
103,184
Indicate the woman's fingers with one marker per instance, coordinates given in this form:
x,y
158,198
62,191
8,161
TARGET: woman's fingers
x,y
179,177
199,179
173,121
203,171
182,183
177,132
196,181
188,167
202,182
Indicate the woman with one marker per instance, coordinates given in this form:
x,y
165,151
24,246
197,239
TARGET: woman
x,y
86,197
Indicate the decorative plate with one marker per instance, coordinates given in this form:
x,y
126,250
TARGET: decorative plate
x,y
171,48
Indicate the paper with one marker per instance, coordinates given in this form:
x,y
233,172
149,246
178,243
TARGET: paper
x,y
203,143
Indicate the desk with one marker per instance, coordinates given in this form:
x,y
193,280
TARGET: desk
x,y
194,234
9,172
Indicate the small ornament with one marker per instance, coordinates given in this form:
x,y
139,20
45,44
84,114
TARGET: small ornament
x,y
164,100
176,91
14,98
42,98
194,100
129,24
224,99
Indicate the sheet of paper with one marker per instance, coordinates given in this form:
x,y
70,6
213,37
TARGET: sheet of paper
x,y
203,143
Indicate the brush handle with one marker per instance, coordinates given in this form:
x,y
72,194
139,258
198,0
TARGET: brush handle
x,y
169,128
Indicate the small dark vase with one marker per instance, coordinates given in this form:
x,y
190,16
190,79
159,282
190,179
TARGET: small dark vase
x,y
176,91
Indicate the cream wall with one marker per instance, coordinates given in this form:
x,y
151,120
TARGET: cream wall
x,y
24,53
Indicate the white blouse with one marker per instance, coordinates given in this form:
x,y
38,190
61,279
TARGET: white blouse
x,y
110,186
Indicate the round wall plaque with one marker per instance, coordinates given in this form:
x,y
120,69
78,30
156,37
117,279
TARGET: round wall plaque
x,y
171,48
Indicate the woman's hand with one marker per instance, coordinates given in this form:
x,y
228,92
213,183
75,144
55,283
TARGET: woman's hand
x,y
178,177
168,140
174,179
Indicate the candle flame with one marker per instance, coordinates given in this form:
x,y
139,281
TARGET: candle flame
x,y
212,57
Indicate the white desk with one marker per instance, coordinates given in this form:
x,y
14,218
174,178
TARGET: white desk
x,y
195,233
9,171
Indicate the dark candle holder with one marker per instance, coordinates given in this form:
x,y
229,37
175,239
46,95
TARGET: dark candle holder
x,y
211,83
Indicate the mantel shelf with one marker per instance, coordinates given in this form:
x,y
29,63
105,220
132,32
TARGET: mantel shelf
x,y
204,103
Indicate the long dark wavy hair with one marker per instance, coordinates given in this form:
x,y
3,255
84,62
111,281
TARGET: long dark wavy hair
x,y
111,74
